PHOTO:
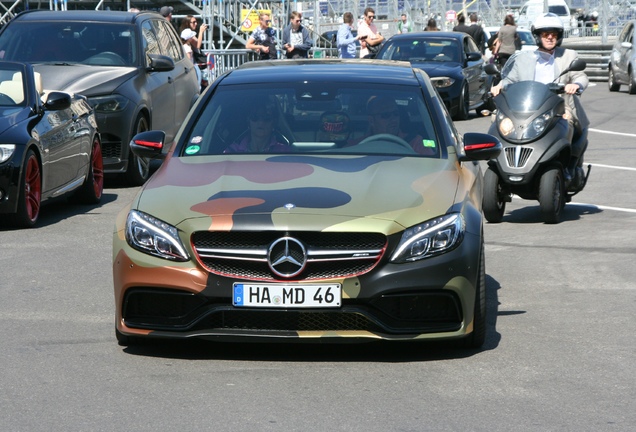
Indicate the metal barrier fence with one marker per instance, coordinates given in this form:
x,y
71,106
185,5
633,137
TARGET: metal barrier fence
x,y
221,61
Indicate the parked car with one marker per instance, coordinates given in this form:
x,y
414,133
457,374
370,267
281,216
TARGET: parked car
x,y
49,146
360,217
622,63
454,63
126,64
527,39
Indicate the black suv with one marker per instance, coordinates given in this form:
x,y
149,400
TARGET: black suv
x,y
131,66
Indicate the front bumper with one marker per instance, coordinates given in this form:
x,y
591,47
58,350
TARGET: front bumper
x,y
115,130
429,299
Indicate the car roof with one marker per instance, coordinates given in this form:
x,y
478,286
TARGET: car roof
x,y
337,70
80,15
430,35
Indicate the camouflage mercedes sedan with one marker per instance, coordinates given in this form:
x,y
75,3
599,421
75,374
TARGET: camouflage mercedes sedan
x,y
308,199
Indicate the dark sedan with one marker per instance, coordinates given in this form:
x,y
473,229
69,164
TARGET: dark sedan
x,y
342,205
452,61
49,146
131,66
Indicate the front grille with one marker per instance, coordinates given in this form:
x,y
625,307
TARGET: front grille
x,y
329,255
518,156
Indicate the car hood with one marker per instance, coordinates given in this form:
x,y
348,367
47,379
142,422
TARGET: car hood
x,y
83,79
438,69
315,193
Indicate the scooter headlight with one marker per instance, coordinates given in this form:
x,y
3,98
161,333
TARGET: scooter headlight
x,y
538,125
506,127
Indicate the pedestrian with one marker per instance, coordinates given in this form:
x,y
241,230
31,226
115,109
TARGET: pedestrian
x,y
190,23
505,44
370,38
263,39
477,33
345,40
189,41
404,25
431,25
296,40
461,24
166,12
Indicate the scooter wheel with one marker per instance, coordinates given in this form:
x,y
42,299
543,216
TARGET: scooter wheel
x,y
551,195
493,204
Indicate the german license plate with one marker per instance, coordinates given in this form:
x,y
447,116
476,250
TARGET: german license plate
x,y
287,296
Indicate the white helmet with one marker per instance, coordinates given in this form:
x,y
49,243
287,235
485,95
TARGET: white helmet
x,y
548,22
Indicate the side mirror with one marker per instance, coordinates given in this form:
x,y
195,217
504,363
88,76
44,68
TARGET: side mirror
x,y
57,101
148,144
473,56
577,65
160,63
491,69
480,146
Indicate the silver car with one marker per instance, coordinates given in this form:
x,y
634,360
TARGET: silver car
x,y
623,61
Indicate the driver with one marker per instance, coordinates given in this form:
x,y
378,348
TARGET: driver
x,y
544,65
384,118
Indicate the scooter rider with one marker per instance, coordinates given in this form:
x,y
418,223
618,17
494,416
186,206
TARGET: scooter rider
x,y
544,65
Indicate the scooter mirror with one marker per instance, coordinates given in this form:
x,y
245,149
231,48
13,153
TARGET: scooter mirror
x,y
491,69
577,65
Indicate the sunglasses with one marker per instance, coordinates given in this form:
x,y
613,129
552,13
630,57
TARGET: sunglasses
x,y
549,33
389,114
371,16
193,22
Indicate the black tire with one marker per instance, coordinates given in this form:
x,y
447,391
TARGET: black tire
x,y
493,204
462,108
478,336
631,85
91,191
551,195
611,81
138,170
29,194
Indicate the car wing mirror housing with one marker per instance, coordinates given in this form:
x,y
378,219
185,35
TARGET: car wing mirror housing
x,y
160,63
480,146
57,101
148,144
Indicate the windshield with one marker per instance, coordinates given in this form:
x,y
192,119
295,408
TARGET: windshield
x,y
89,43
12,88
414,50
314,117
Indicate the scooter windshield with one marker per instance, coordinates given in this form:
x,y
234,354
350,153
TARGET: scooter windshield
x,y
526,96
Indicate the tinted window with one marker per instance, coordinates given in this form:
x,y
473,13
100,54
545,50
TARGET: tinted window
x,y
439,50
317,117
91,43
558,9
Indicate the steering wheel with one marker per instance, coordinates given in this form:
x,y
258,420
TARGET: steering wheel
x,y
108,58
387,137
6,100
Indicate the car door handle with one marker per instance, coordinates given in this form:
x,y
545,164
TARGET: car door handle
x,y
170,80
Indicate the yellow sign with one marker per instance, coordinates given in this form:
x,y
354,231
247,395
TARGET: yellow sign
x,y
249,18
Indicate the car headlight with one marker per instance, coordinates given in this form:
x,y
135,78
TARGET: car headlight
x,y
108,104
538,125
6,150
442,82
430,238
155,237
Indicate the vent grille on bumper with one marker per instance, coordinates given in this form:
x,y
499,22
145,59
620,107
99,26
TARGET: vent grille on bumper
x,y
517,156
329,255
391,314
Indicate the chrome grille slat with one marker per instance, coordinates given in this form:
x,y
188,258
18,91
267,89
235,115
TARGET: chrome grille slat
x,y
518,156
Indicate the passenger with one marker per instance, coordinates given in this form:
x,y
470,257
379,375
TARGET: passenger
x,y
263,39
260,136
296,40
385,118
